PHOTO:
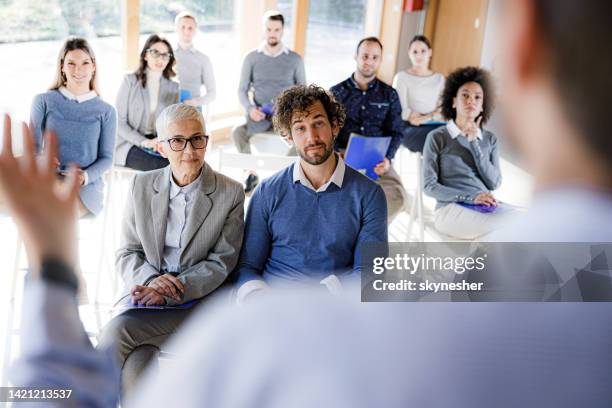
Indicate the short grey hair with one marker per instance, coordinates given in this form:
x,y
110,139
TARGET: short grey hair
x,y
176,113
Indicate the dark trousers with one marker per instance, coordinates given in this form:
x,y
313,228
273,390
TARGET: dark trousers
x,y
138,159
415,136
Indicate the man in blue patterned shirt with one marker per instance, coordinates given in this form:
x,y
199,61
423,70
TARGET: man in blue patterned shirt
x,y
373,109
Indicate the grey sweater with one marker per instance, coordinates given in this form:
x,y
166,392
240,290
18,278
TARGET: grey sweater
x,y
267,77
455,170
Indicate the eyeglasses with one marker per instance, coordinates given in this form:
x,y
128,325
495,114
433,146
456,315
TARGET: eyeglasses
x,y
178,144
157,55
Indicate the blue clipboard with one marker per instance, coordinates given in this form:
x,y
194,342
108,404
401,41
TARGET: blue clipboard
x,y
363,153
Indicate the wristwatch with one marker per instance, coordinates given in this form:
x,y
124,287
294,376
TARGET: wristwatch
x,y
58,272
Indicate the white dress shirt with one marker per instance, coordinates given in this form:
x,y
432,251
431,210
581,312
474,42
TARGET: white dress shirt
x,y
263,48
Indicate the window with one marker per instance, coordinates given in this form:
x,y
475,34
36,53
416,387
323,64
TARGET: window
x,y
31,35
334,28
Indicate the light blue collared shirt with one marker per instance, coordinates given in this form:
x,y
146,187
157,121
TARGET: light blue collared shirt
x,y
179,208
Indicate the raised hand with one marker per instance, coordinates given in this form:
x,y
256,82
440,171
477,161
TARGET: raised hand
x,y
471,130
44,208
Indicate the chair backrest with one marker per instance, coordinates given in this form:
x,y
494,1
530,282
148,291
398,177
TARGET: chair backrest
x,y
253,162
269,143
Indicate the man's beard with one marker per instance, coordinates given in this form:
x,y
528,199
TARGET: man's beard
x,y
318,158
273,42
372,74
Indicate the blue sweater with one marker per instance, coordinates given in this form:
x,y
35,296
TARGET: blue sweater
x,y
293,234
86,136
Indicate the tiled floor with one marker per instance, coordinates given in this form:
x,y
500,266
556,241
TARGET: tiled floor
x,y
97,242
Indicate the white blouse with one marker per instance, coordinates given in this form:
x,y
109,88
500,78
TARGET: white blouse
x,y
418,93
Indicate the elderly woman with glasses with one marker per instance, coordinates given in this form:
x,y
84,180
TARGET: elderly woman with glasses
x,y
181,235
142,96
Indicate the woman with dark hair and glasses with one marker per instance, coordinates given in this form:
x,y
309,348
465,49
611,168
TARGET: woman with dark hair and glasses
x,y
85,125
419,90
142,96
461,160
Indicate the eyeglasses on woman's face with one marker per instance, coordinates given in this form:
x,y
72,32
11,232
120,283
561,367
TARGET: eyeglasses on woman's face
x,y
179,143
159,55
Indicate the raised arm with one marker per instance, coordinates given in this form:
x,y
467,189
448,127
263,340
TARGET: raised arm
x,y
55,350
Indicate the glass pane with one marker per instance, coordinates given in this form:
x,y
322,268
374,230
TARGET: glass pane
x,y
216,38
31,35
334,28
286,9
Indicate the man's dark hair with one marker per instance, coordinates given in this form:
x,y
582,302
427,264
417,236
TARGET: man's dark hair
x,y
576,37
275,16
369,39
460,77
299,98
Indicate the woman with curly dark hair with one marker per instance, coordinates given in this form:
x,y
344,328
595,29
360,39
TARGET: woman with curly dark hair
x,y
461,161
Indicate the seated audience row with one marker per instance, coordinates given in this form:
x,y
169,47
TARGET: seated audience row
x,y
279,349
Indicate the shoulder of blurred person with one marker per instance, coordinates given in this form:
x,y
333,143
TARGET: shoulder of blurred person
x,y
569,214
355,355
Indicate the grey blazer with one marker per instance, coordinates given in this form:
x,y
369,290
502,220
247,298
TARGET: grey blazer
x,y
133,112
215,227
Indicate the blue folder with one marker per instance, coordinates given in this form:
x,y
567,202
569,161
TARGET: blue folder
x,y
185,95
363,153
434,123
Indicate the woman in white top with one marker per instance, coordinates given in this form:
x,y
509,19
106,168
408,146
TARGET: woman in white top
x,y
142,96
419,90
